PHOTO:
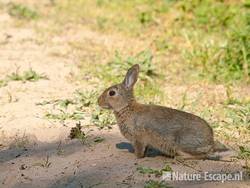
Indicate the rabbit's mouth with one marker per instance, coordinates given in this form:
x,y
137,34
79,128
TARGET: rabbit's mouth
x,y
103,104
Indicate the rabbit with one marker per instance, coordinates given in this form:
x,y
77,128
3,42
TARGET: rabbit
x,y
173,132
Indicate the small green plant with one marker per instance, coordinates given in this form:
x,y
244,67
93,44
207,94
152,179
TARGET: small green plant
x,y
145,17
62,103
29,75
75,108
146,170
156,184
22,12
244,153
62,116
102,118
3,83
45,163
78,133
157,173
239,114
85,98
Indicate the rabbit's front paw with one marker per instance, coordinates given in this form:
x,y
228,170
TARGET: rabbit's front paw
x,y
139,149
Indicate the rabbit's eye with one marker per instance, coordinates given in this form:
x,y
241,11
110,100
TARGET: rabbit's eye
x,y
111,93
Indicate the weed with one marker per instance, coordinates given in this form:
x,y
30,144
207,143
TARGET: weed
x,y
45,163
102,118
157,173
145,17
3,83
29,75
156,184
75,108
78,133
65,103
22,12
62,116
62,103
239,114
85,98
146,170
230,99
244,153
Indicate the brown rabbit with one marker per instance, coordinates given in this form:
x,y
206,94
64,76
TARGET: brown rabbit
x,y
168,130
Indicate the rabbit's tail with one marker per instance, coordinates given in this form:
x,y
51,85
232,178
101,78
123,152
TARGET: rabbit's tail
x,y
219,147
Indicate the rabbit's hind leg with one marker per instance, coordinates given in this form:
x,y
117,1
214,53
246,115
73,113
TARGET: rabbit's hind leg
x,y
139,149
187,156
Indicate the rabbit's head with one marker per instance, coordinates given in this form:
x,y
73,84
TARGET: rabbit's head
x,y
121,95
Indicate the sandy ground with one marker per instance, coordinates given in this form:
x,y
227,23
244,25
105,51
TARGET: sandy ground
x,y
36,152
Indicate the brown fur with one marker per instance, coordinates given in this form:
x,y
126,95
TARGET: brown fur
x,y
169,130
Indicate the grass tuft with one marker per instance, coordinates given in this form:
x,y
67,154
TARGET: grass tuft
x,y
22,12
78,133
29,75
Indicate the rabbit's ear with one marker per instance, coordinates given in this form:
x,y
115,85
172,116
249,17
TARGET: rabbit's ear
x,y
131,76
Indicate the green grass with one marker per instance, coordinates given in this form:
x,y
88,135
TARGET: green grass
x,y
3,83
213,35
82,104
244,152
156,172
62,115
29,75
21,11
124,16
102,118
